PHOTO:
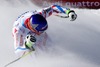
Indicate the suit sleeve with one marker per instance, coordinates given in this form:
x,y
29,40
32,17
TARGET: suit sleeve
x,y
19,46
46,12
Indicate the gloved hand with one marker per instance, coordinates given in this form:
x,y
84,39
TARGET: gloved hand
x,y
72,15
30,41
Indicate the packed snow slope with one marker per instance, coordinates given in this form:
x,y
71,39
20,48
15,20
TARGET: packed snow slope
x,y
70,44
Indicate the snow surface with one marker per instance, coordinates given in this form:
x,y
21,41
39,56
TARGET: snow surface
x,y
71,44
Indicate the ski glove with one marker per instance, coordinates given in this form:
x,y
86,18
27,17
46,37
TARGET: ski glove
x,y
72,15
30,42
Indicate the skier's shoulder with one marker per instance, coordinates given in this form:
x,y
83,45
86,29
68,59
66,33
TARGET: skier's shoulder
x,y
22,15
19,28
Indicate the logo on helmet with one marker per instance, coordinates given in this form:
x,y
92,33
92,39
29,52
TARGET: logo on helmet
x,y
34,25
45,27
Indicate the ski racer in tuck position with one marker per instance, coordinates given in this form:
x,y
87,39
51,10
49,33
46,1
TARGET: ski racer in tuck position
x,y
29,29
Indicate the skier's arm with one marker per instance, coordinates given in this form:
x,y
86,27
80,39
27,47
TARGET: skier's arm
x,y
20,48
60,10
46,12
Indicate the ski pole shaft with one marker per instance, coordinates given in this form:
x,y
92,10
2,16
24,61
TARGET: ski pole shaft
x,y
61,16
17,59
12,62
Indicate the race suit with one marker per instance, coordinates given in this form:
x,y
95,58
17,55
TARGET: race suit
x,y
20,30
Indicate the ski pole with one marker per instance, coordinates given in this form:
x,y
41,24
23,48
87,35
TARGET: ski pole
x,y
61,16
18,59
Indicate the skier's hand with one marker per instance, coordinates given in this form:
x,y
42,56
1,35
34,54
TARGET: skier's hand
x,y
72,15
30,42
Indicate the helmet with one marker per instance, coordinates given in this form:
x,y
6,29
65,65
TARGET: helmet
x,y
38,22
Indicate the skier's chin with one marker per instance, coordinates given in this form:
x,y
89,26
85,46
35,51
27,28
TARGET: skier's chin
x,y
39,33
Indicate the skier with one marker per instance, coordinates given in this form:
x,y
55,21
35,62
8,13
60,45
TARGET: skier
x,y
29,28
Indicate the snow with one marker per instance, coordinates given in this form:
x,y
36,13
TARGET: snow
x,y
72,44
